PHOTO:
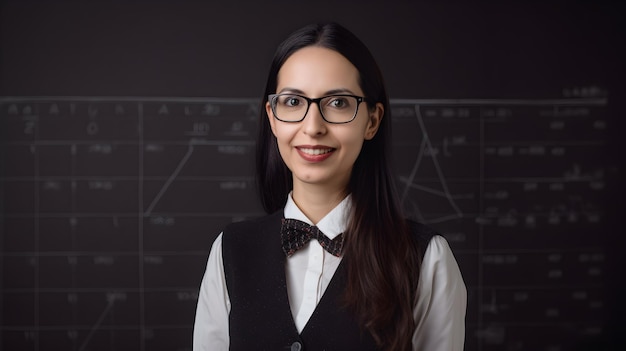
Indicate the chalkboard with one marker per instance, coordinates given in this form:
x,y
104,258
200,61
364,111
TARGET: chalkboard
x,y
111,205
127,136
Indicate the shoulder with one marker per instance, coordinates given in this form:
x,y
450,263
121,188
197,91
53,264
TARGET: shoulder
x,y
421,230
422,234
251,235
251,250
256,225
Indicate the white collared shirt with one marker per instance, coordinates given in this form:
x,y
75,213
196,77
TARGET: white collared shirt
x,y
439,312
310,269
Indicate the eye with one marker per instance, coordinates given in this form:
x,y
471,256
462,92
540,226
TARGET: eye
x,y
338,102
290,100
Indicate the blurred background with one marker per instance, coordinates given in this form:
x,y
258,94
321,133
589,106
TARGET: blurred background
x,y
127,135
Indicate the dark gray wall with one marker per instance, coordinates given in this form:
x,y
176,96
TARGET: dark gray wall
x,y
223,50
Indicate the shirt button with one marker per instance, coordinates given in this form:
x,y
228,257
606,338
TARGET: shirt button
x,y
296,346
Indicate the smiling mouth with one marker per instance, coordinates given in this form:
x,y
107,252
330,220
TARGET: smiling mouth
x,y
315,152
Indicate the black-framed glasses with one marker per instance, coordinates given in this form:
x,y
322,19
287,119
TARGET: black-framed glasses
x,y
336,109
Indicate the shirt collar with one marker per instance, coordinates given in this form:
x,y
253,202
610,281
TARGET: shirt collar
x,y
333,224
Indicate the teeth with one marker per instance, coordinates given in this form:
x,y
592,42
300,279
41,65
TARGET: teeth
x,y
315,151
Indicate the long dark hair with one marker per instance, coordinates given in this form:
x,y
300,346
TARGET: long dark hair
x,y
382,260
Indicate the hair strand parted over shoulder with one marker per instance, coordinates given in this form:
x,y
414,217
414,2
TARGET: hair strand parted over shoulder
x,y
381,258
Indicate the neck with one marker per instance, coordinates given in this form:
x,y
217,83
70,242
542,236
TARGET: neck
x,y
316,201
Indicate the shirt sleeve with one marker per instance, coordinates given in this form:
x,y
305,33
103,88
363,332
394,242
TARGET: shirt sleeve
x,y
442,300
210,332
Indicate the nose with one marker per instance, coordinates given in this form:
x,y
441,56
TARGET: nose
x,y
313,123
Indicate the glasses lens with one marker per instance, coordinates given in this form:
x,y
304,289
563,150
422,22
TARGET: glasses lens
x,y
289,107
339,108
334,108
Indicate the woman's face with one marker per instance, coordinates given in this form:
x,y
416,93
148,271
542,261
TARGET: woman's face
x,y
316,151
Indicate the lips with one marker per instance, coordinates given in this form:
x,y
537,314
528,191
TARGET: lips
x,y
315,153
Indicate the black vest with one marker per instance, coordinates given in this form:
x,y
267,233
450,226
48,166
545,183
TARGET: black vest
x,y
260,317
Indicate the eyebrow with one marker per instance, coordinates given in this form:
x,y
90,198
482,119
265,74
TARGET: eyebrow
x,y
329,92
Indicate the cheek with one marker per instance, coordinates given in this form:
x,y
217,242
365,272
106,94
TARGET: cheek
x,y
284,136
353,144
284,133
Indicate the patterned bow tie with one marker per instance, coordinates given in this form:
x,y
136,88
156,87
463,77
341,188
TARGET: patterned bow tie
x,y
295,234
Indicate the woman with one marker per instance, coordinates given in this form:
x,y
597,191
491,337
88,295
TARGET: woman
x,y
334,265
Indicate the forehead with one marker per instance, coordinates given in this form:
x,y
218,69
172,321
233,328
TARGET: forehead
x,y
315,70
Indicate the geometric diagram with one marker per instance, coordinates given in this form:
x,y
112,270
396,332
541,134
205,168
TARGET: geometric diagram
x,y
110,206
519,188
409,181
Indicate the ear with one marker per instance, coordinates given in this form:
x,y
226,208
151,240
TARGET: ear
x,y
376,116
270,117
